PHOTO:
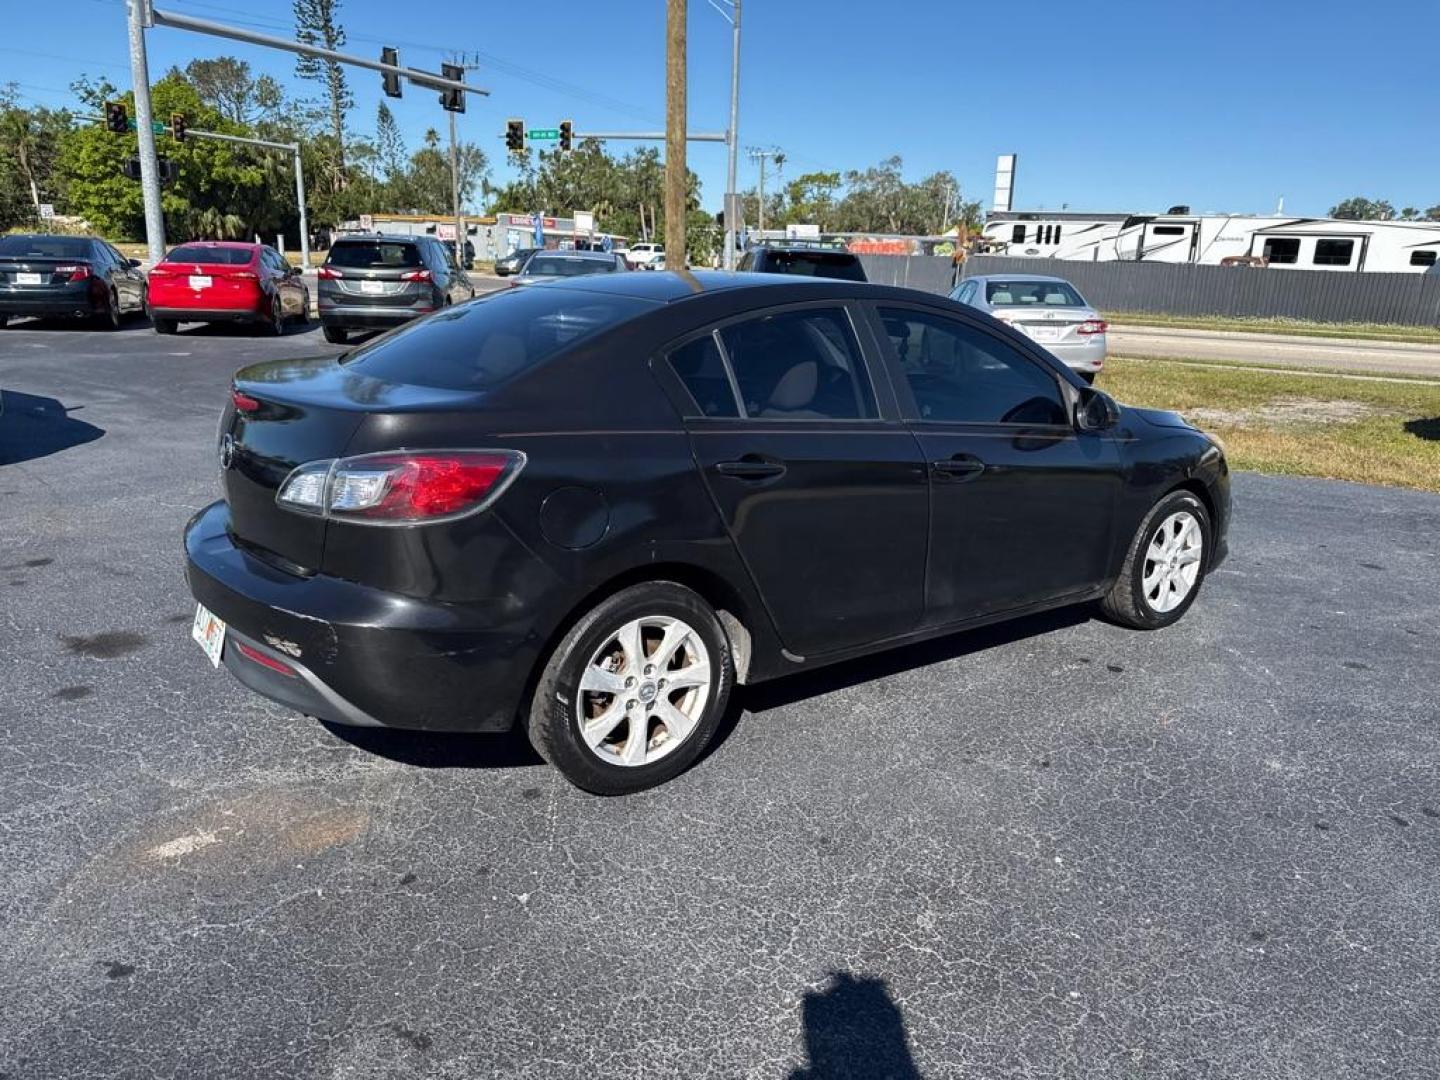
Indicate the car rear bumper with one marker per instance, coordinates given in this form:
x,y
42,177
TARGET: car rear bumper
x,y
359,656
81,301
188,314
355,317
1080,356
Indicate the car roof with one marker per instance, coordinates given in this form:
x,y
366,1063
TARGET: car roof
x,y
1018,277
596,255
247,244
802,248
370,238
672,286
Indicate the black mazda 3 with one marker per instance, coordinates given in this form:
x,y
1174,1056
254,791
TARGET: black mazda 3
x,y
594,507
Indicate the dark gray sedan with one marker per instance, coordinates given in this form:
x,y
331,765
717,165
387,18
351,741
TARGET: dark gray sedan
x,y
376,282
548,265
68,276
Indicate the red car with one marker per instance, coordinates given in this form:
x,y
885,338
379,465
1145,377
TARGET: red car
x,y
221,281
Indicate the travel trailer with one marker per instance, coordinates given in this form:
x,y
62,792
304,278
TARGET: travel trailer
x,y
1177,236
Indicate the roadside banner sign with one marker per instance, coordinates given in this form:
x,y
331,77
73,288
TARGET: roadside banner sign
x,y
445,230
584,222
367,222
537,223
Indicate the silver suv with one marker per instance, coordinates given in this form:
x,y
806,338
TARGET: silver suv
x,y
375,282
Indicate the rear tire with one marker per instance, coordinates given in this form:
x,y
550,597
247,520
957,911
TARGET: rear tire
x,y
1155,587
612,643
110,317
165,326
336,335
276,324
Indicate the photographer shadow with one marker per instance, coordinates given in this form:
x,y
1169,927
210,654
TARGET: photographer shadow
x,y
854,1031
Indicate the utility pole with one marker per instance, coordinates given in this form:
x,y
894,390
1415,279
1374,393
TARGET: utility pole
x,y
139,19
465,63
675,176
732,134
761,156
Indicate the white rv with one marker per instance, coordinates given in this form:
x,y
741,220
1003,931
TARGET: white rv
x,y
1212,239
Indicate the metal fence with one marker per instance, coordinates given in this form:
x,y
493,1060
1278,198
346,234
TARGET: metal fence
x,y
1182,289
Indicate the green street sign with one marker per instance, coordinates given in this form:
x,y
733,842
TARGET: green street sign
x,y
543,133
155,125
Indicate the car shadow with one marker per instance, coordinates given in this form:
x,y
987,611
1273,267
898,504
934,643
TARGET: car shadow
x,y
129,324
34,427
778,693
853,1030
1428,429
244,329
442,750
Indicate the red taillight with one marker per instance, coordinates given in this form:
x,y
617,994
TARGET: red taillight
x,y
244,402
329,273
242,275
161,271
1092,326
416,275
77,271
401,488
260,658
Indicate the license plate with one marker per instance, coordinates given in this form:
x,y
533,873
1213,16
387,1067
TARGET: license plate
x,y
209,631
1045,333
372,287
200,281
27,279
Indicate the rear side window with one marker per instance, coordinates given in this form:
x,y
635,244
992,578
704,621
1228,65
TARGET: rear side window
x,y
373,255
960,375
485,342
215,256
799,365
1333,252
1282,249
702,369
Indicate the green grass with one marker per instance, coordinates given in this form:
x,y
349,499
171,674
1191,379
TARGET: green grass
x,y
1427,335
1295,424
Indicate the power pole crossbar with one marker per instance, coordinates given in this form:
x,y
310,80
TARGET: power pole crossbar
x,y
649,136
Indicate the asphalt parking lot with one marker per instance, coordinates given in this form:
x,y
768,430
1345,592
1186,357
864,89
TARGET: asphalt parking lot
x,y
1054,848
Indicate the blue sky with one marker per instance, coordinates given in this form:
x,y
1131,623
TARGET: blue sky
x,y
1118,105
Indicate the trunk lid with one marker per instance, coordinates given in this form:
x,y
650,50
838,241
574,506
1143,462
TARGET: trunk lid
x,y
303,411
1051,326
374,273
39,272
214,278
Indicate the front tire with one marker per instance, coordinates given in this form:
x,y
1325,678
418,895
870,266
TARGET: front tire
x,y
635,691
1164,566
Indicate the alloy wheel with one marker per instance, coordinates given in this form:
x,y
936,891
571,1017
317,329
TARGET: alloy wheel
x,y
1172,561
644,691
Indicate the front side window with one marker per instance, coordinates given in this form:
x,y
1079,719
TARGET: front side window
x,y
1333,252
958,374
1282,249
799,365
1017,234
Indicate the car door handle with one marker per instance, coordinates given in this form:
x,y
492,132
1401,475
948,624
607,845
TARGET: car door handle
x,y
961,467
751,467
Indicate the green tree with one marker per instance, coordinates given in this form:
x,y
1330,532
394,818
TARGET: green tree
x,y
30,143
316,24
1359,208
227,85
389,143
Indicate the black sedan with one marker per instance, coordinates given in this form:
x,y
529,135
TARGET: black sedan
x,y
68,276
594,507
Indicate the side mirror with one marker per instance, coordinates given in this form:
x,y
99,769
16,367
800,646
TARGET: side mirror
x,y
1096,411
134,263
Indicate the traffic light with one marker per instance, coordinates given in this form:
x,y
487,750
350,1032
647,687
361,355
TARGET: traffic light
x,y
169,170
515,135
453,99
388,79
115,118
567,135
177,126
131,168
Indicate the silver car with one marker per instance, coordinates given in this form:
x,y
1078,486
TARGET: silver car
x,y
1048,310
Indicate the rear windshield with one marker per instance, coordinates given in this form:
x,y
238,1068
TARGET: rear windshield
x,y
563,266
215,256
484,342
1032,294
826,264
45,247
373,254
